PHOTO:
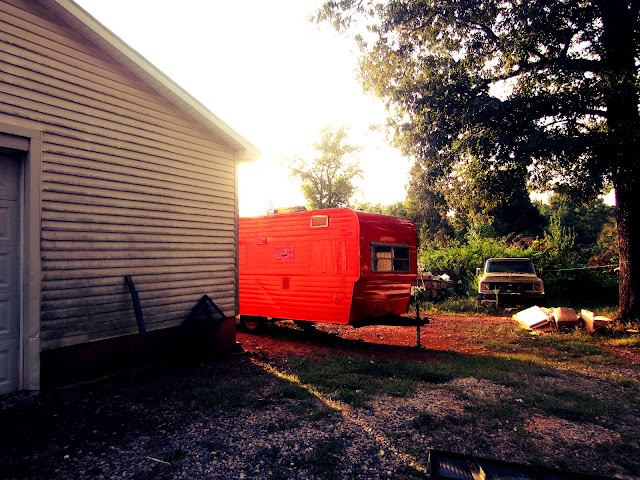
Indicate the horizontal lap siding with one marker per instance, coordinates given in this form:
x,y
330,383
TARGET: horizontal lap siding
x,y
130,186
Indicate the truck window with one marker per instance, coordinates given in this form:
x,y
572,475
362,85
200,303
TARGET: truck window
x,y
513,266
389,258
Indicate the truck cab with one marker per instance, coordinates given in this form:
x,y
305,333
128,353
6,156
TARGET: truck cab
x,y
510,280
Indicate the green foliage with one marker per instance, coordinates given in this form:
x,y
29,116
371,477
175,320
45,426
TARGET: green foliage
x,y
397,209
562,238
455,305
581,224
493,98
491,202
509,85
565,278
460,260
327,178
427,208
606,250
582,287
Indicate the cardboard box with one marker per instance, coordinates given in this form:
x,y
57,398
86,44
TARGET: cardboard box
x,y
565,317
594,322
533,318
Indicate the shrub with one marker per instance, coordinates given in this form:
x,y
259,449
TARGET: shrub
x,y
584,287
461,259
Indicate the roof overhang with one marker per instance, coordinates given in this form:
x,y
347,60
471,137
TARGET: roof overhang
x,y
80,20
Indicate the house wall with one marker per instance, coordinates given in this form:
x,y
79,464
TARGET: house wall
x,y
130,185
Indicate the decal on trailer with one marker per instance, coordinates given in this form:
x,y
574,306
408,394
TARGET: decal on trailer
x,y
284,254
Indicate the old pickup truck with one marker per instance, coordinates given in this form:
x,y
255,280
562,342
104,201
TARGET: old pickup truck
x,y
509,280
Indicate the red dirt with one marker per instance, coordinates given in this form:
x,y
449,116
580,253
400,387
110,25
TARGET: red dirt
x,y
443,334
446,334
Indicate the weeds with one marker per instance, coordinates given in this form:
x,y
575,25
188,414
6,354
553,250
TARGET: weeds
x,y
209,394
354,380
627,342
487,402
577,406
455,305
424,421
525,366
174,456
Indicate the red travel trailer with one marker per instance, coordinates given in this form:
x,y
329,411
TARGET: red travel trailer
x,y
336,266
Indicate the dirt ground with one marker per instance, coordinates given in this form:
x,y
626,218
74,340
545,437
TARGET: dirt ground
x,y
381,341
444,333
450,334
151,427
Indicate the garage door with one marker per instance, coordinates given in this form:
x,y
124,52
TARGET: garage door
x,y
9,291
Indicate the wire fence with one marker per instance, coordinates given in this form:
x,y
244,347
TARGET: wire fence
x,y
603,267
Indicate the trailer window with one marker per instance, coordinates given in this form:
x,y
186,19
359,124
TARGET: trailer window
x,y
318,221
390,258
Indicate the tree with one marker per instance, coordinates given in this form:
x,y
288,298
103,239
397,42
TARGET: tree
x,y
548,88
492,203
397,209
428,209
585,219
327,180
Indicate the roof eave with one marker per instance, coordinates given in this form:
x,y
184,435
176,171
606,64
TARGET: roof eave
x,y
83,22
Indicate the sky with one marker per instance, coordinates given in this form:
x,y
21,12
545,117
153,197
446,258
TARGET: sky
x,y
273,76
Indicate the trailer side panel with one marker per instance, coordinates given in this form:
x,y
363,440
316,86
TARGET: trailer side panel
x,y
299,266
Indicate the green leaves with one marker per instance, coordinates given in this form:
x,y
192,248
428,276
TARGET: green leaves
x,y
501,82
327,175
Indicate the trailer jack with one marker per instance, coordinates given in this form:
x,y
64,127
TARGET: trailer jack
x,y
419,323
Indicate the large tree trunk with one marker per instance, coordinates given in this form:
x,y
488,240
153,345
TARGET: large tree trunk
x,y
620,26
628,216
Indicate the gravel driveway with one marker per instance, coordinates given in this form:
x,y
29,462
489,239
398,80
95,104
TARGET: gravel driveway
x,y
150,426
245,417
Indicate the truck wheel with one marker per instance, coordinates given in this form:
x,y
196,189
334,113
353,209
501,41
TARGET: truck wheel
x,y
251,324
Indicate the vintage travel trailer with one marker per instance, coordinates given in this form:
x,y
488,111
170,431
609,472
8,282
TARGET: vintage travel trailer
x,y
336,265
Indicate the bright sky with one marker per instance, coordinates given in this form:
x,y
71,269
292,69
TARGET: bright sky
x,y
271,75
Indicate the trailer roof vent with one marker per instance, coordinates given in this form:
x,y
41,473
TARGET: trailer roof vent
x,y
318,221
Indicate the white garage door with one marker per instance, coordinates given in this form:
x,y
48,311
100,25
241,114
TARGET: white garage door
x,y
9,292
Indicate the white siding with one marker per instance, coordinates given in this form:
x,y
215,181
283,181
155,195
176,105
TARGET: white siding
x,y
130,186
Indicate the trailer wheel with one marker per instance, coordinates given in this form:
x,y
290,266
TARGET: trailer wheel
x,y
251,324
306,326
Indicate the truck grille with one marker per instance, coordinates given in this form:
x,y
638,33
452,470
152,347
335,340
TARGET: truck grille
x,y
511,287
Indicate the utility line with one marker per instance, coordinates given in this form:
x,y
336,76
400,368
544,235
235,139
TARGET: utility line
x,y
579,268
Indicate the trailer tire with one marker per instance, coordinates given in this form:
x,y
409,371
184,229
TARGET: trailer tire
x,y
306,326
252,324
